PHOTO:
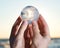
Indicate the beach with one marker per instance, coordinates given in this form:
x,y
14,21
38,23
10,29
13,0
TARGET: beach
x,y
55,43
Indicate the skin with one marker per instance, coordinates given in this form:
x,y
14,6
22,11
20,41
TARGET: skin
x,y
16,37
34,35
41,35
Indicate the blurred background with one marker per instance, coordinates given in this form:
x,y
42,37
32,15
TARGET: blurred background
x,y
11,9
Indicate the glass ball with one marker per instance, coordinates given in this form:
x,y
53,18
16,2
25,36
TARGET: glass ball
x,y
29,13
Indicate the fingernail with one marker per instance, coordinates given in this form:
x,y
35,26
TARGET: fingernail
x,y
25,22
30,25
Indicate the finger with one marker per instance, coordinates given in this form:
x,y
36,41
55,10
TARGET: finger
x,y
26,33
22,29
31,33
43,27
36,30
15,26
30,30
14,29
27,38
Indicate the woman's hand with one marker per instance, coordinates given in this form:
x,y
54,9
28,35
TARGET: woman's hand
x,y
17,34
40,34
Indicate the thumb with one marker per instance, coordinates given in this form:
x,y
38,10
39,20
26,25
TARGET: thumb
x,y
22,29
36,31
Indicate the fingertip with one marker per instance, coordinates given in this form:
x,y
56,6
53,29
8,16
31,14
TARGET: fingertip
x,y
40,17
30,25
19,18
33,23
25,22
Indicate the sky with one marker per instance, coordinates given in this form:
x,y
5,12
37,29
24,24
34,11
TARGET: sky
x,y
11,9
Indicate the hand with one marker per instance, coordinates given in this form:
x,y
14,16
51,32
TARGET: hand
x,y
40,36
17,34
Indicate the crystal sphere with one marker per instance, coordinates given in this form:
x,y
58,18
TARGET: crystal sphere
x,y
29,13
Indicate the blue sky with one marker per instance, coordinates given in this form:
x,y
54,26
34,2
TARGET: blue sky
x,y
10,10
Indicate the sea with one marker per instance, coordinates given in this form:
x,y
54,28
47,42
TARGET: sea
x,y
55,43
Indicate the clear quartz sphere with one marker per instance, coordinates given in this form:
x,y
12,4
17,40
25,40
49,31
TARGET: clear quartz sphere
x,y
29,13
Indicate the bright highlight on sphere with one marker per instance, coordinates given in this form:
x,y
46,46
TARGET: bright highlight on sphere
x,y
29,13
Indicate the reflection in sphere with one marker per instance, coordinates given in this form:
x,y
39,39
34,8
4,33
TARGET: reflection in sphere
x,y
29,13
